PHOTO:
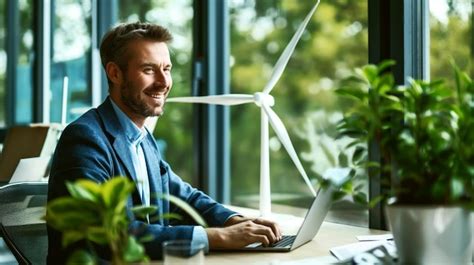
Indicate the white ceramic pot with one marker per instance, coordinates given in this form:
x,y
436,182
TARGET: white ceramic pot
x,y
431,234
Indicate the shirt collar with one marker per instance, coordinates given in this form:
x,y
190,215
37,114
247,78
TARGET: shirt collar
x,y
134,134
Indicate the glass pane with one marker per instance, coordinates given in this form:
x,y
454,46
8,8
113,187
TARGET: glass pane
x,y
71,57
3,61
450,37
24,78
335,41
174,128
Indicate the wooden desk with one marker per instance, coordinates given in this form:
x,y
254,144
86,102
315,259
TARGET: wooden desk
x,y
330,235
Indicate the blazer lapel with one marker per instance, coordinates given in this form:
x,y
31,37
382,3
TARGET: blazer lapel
x,y
119,142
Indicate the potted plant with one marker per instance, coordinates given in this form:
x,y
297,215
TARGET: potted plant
x,y
97,214
423,133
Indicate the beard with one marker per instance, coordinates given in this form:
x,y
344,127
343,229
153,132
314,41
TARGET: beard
x,y
134,100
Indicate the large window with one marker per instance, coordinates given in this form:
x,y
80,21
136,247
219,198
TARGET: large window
x,y
335,41
450,37
71,57
174,129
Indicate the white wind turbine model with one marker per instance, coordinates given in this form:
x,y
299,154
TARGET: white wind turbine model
x,y
265,101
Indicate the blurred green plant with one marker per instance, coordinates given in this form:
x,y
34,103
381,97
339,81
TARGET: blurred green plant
x,y
421,131
97,213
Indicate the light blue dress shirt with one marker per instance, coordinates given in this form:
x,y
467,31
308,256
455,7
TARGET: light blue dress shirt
x,y
135,136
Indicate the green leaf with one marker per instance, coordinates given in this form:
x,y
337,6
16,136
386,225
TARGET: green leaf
x,y
71,213
116,191
358,154
391,99
370,72
185,206
351,93
142,210
168,216
171,216
134,251
72,220
338,194
375,201
359,187
347,187
72,236
92,186
370,164
353,143
81,257
384,65
80,192
343,160
97,235
360,197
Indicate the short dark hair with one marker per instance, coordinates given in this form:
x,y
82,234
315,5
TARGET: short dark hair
x,y
113,47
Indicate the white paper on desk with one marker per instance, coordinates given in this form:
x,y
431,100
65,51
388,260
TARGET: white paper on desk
x,y
306,261
348,251
375,237
31,169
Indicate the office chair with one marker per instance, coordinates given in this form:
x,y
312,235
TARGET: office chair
x,y
21,207
20,258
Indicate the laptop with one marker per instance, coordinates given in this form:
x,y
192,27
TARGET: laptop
x,y
308,230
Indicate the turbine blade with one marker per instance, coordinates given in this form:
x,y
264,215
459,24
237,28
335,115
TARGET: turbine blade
x,y
282,134
285,56
227,99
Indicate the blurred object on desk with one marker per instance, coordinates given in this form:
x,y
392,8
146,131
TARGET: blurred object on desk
x,y
36,140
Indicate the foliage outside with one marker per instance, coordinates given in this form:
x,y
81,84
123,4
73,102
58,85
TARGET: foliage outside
x,y
97,213
422,132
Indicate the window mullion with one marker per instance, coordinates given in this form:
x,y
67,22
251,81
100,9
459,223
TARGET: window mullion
x,y
211,77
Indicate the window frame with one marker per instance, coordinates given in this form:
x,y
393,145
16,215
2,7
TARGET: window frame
x,y
211,76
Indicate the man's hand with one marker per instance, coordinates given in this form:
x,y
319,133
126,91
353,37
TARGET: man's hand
x,y
239,219
241,231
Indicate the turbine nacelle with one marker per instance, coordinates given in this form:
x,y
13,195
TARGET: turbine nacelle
x,y
261,98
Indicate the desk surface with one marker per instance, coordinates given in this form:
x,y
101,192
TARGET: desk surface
x,y
330,235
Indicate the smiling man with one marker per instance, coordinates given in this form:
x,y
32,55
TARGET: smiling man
x,y
112,141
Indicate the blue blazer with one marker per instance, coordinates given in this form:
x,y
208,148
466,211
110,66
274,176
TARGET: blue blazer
x,y
94,147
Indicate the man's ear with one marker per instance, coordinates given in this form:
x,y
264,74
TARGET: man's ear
x,y
114,73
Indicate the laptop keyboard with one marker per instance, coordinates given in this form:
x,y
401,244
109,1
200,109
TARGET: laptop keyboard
x,y
284,242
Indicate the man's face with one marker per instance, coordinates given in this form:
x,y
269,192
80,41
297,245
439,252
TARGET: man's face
x,y
147,80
